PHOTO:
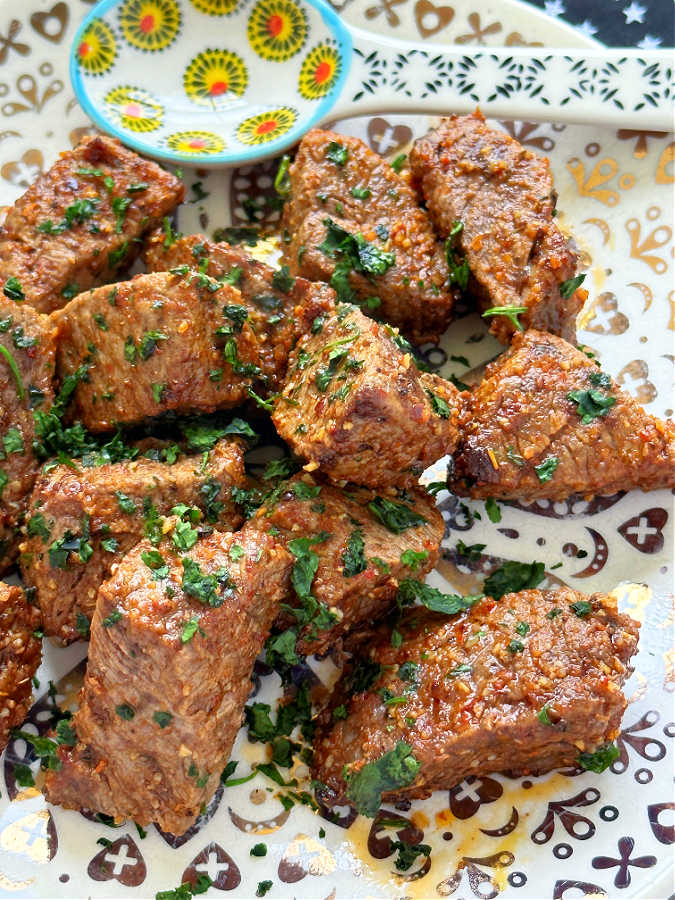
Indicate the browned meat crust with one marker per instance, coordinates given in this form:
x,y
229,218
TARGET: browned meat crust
x,y
99,198
20,654
277,317
355,405
158,713
414,291
473,705
521,417
153,344
504,197
360,563
28,340
110,508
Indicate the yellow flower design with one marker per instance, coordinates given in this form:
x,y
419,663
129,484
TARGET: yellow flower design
x,y
277,29
97,48
150,24
215,7
214,77
133,108
195,143
266,126
319,71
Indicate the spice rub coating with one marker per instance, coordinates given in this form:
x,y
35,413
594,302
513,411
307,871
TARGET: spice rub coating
x,y
355,405
503,195
157,343
27,351
365,544
524,684
81,221
20,655
280,307
339,178
169,669
547,422
83,521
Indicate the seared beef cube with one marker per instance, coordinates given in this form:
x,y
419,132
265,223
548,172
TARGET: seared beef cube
x,y
156,343
547,422
79,223
280,308
173,642
525,684
20,654
372,542
83,522
503,197
355,405
389,258
27,350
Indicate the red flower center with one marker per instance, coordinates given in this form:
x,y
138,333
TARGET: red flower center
x,y
266,126
197,144
133,110
83,50
147,23
218,88
323,72
274,25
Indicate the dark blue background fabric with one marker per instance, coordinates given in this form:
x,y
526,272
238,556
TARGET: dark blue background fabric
x,y
618,23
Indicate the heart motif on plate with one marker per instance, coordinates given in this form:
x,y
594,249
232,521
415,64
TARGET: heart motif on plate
x,y
385,138
645,531
51,24
23,172
633,377
217,864
430,19
120,861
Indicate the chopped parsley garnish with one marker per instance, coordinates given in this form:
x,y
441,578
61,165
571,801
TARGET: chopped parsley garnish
x,y
581,608
410,590
543,715
360,193
162,718
119,206
396,769
12,289
546,469
148,343
512,577
353,252
201,586
515,646
600,760
461,669
493,511
408,853
398,162
458,266
397,517
523,628
203,433
14,369
231,356
75,214
567,288
82,624
438,404
337,153
68,543
109,621
509,312
37,527
126,504
554,613
282,180
190,629
124,711
599,379
283,280
591,404
263,888
184,536
186,890
413,559
353,559
259,850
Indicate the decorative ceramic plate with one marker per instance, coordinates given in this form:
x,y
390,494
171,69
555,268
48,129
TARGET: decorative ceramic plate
x,y
563,835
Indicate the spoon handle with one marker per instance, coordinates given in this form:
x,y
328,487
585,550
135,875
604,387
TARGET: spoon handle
x,y
599,86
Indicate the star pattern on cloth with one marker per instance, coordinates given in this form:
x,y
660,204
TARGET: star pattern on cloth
x,y
646,24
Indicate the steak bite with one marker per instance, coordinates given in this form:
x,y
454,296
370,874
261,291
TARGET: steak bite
x,y
280,308
371,543
80,222
27,350
20,654
173,642
84,521
547,422
156,343
503,197
525,684
379,248
355,405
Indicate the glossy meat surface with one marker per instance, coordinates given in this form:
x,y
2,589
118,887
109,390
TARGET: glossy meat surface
x,y
20,655
161,705
79,223
472,699
110,508
355,405
503,195
523,436
365,196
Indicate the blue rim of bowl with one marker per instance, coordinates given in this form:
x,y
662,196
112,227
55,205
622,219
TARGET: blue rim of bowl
x,y
255,153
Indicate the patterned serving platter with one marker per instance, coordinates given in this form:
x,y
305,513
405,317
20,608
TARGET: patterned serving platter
x,y
566,835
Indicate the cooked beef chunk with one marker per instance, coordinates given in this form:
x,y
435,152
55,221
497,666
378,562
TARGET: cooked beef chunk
x,y
79,223
280,308
547,422
355,405
173,642
27,350
503,196
524,684
399,269
84,521
371,542
156,343
20,654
